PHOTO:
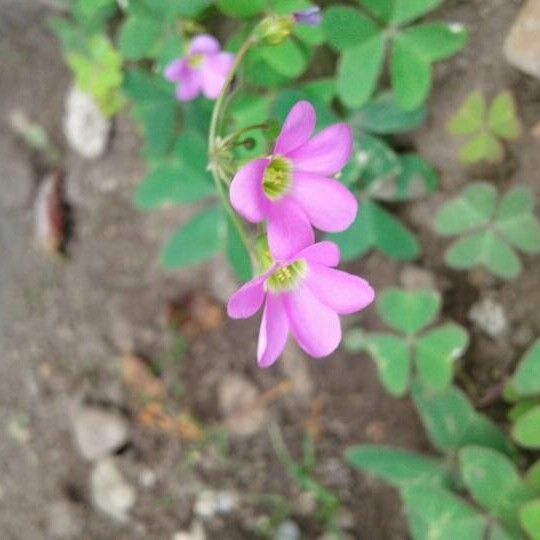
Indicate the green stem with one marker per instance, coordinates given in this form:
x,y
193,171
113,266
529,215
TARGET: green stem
x,y
212,137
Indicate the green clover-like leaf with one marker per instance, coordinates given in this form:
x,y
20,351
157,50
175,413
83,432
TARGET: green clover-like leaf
x,y
452,422
526,380
346,27
526,430
198,240
392,357
469,118
494,482
397,467
529,517
436,353
502,117
408,311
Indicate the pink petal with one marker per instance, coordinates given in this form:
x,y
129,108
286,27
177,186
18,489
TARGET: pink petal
x,y
246,193
325,154
204,44
297,129
329,205
176,70
190,86
214,73
289,230
342,292
315,326
247,300
325,253
274,331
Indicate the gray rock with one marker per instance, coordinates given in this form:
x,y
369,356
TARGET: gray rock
x,y
522,45
287,530
64,520
111,494
196,532
212,503
237,397
414,277
98,432
490,317
86,129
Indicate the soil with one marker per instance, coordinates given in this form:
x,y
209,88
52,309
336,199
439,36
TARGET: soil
x,y
66,322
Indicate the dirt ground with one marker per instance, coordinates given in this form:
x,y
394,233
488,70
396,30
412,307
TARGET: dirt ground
x,y
67,322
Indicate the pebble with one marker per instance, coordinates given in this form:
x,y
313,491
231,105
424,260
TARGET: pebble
x,y
212,503
287,530
414,277
522,45
196,532
86,129
98,432
490,317
64,520
110,492
236,395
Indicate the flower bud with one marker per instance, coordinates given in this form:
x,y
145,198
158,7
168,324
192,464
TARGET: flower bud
x,y
309,17
274,29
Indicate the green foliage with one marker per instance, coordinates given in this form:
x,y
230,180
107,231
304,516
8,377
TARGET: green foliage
x,y
430,353
363,40
492,230
198,240
378,175
397,467
486,127
523,390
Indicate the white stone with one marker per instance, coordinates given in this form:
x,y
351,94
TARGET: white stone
x,y
212,503
196,532
110,492
98,432
490,317
287,530
522,45
86,129
237,398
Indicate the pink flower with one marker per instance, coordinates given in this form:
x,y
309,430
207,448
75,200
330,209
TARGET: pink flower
x,y
304,295
292,189
203,70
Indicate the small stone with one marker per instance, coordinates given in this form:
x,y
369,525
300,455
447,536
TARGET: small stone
x,y
414,277
147,478
110,492
86,129
196,532
294,366
64,520
522,45
236,397
490,317
345,519
212,503
287,530
98,432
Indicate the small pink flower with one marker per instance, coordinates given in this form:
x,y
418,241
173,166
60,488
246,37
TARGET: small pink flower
x,y
304,295
204,69
292,189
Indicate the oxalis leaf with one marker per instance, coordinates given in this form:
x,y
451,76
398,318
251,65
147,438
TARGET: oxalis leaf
x,y
375,228
198,240
495,484
398,467
452,422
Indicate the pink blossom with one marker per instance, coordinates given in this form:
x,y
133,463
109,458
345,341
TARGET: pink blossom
x,y
203,70
293,189
304,296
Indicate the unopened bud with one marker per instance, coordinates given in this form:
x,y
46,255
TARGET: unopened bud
x,y
274,29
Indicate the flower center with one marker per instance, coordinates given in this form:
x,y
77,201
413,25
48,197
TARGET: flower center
x,y
277,178
287,277
195,61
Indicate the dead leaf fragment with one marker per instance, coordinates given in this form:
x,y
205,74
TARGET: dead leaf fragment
x,y
194,314
140,380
